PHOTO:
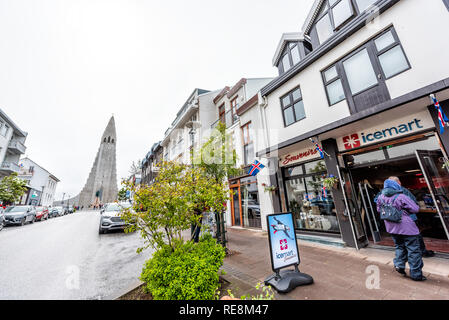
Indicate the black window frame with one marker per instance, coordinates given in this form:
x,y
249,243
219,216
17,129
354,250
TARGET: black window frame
x,y
355,11
374,55
332,80
292,105
396,43
446,3
288,52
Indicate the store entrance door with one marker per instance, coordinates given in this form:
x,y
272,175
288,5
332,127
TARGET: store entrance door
x,y
352,210
435,170
236,208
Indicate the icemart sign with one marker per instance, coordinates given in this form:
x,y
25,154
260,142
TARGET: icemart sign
x,y
282,240
386,131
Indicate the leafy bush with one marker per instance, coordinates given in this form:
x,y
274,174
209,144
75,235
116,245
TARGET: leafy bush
x,y
190,272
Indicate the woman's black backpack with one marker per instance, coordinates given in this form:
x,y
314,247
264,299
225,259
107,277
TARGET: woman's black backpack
x,y
389,212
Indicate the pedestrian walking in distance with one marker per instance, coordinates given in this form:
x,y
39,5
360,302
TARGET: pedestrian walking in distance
x,y
393,204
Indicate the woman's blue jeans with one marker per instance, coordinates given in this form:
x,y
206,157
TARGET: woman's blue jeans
x,y
408,248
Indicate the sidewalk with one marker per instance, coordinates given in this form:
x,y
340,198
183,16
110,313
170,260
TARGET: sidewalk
x,y
339,273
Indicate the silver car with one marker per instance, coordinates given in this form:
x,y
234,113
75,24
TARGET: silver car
x,y
110,217
20,215
2,219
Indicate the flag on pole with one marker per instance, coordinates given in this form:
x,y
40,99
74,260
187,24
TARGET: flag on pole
x,y
442,119
319,149
255,168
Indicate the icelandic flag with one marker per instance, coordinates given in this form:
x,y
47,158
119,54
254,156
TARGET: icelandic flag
x,y
255,168
442,119
318,148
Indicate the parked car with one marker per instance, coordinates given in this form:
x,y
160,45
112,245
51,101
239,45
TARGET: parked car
x,y
57,212
20,215
110,217
68,210
41,213
2,220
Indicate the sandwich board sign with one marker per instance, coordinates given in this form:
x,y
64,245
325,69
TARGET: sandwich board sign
x,y
282,238
284,253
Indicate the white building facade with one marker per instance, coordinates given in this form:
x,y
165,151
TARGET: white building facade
x,y
357,80
40,182
12,145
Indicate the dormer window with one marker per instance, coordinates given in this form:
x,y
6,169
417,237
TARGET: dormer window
x,y
291,56
334,14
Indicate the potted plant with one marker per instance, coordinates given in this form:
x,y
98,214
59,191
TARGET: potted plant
x,y
269,188
330,182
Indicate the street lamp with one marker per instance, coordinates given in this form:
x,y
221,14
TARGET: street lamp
x,y
42,194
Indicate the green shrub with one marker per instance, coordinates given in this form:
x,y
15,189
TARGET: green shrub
x,y
190,272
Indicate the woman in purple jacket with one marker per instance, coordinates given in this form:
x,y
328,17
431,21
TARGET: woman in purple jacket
x,y
405,233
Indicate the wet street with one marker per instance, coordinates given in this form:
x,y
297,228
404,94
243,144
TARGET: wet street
x,y
66,258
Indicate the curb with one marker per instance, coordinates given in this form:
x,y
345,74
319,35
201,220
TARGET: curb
x,y
118,294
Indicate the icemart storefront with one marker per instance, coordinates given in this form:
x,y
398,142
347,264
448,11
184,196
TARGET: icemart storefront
x,y
402,142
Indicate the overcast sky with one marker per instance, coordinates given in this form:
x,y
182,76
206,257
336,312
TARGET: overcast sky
x,y
67,65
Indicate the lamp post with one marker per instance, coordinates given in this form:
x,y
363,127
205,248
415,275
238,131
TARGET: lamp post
x,y
42,194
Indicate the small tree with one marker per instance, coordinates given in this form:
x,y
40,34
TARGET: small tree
x,y
12,189
121,196
167,207
218,159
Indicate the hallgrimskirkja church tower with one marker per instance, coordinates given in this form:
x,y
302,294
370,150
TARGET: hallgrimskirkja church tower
x,y
101,185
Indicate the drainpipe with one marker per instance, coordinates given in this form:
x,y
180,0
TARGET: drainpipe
x,y
262,104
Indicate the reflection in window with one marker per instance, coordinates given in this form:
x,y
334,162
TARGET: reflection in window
x,y
311,204
409,148
324,28
393,61
377,155
335,92
364,4
286,63
341,12
360,72
250,204
384,41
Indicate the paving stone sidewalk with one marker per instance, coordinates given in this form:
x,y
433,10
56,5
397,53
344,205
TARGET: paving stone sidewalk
x,y
339,273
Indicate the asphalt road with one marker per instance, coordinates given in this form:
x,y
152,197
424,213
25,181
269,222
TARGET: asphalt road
x,y
66,258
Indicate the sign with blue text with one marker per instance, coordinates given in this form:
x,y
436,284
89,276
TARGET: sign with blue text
x,y
282,240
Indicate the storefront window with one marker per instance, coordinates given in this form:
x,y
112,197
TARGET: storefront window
x,y
373,156
312,205
409,148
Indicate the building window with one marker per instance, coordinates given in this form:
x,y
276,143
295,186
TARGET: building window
x,y
391,56
291,57
234,107
221,113
359,72
341,12
366,68
3,129
293,107
334,88
362,5
335,14
324,28
248,146
312,205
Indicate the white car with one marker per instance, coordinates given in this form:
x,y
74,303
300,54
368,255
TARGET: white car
x,y
110,217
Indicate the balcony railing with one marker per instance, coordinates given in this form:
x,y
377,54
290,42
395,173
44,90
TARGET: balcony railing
x,y
17,147
229,120
9,167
